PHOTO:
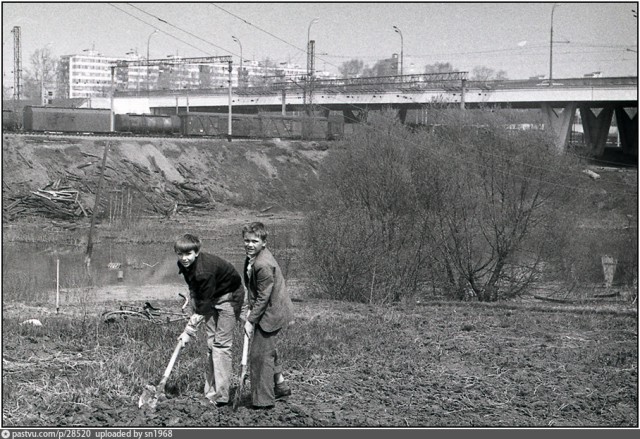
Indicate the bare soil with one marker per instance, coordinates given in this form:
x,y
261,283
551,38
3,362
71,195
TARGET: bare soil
x,y
432,365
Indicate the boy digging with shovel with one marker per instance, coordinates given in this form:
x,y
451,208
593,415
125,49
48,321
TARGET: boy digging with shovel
x,y
217,295
271,311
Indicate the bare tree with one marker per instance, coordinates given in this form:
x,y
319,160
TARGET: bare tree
x,y
352,68
482,73
438,67
7,91
384,67
500,189
42,73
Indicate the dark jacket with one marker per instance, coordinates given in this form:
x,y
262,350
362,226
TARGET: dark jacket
x,y
212,280
269,301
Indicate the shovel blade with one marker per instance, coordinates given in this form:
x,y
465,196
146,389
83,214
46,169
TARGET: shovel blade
x,y
149,397
239,391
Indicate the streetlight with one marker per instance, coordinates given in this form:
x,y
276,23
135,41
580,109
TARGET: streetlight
x,y
240,70
397,29
149,41
551,47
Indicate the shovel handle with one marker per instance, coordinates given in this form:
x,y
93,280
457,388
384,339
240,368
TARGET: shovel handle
x,y
245,350
245,345
172,361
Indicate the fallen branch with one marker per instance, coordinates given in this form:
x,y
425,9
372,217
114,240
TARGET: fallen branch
x,y
551,299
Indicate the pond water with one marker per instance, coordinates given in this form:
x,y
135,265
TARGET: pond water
x,y
34,266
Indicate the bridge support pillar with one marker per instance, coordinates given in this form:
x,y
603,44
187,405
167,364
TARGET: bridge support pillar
x,y
596,128
558,123
354,117
402,115
284,102
628,129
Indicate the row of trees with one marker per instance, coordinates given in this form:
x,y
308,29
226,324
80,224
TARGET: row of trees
x,y
357,68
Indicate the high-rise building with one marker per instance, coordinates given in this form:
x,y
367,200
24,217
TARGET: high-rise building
x,y
85,75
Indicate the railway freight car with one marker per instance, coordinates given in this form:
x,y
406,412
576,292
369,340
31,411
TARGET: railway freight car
x,y
11,120
212,124
67,120
148,124
261,126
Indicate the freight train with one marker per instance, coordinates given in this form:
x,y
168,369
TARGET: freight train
x,y
190,124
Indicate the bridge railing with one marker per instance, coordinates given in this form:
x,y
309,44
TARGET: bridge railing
x,y
452,81
372,83
511,84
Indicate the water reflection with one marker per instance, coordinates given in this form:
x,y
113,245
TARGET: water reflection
x,y
111,264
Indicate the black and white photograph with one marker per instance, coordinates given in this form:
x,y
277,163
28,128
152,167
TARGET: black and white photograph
x,y
319,216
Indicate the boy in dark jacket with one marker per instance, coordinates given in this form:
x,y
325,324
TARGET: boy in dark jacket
x,y
271,311
216,292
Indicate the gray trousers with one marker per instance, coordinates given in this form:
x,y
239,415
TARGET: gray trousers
x,y
218,371
263,365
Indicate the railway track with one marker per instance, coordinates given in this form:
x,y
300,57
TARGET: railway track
x,y
115,135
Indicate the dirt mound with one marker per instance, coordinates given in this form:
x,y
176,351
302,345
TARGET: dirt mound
x,y
158,176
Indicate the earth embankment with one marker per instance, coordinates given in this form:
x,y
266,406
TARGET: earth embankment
x,y
152,175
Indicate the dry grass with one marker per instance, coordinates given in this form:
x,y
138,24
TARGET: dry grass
x,y
440,364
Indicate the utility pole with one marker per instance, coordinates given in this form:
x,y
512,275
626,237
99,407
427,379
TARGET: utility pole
x,y
311,72
553,8
17,64
43,99
310,63
96,208
229,121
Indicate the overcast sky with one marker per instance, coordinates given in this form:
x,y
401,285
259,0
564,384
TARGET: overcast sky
x,y
513,37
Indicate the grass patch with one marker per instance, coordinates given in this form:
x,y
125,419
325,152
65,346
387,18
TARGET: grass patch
x,y
436,365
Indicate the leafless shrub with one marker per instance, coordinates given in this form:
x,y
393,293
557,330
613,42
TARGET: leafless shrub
x,y
455,209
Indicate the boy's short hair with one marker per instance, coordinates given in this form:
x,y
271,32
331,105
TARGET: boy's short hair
x,y
186,243
257,228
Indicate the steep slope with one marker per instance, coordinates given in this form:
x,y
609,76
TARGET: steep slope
x,y
155,175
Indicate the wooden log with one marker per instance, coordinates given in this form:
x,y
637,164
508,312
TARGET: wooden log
x,y
551,299
82,208
24,159
41,195
15,203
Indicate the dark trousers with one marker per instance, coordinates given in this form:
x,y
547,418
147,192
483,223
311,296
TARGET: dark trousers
x,y
263,365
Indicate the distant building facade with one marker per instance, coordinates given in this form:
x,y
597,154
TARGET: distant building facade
x,y
89,75
85,76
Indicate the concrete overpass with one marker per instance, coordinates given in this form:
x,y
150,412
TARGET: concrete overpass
x,y
596,98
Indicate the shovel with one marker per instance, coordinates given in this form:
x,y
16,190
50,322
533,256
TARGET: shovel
x,y
243,374
151,394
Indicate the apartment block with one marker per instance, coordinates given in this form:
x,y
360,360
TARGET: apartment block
x,y
89,75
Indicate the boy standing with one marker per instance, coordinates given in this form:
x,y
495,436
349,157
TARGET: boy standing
x,y
216,292
271,311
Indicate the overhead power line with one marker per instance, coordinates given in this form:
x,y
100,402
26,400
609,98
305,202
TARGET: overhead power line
x,y
159,30
455,158
180,29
